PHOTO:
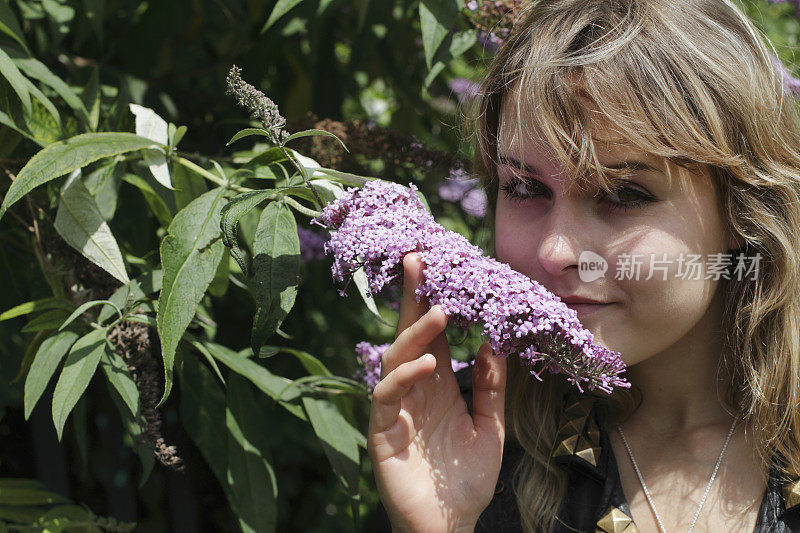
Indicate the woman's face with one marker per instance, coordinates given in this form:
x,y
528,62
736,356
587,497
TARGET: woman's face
x,y
663,214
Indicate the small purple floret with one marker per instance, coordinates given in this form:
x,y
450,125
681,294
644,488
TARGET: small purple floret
x,y
375,227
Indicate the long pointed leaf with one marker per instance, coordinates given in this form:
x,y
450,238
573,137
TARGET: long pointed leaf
x,y
78,370
120,378
47,359
190,255
63,157
312,133
266,381
35,305
10,26
234,210
436,17
280,9
80,223
276,266
15,78
339,441
250,474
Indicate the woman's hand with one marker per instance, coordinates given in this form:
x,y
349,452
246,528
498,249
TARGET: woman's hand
x,y
436,466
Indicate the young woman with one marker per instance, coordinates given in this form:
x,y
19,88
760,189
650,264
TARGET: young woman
x,y
641,132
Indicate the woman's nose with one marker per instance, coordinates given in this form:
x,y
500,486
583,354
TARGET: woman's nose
x,y
562,233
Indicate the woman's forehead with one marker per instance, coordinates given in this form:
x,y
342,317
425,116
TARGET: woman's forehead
x,y
520,135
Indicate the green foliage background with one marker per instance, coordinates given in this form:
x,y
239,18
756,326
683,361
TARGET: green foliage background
x,y
119,250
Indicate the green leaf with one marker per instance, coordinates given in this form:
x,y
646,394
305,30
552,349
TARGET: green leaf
x,y
276,266
203,414
80,223
10,26
47,359
15,78
68,155
157,205
339,441
20,514
177,136
312,133
116,370
37,70
280,9
250,475
360,279
35,306
190,255
343,177
266,381
152,126
459,43
436,17
265,160
312,365
49,320
91,98
247,132
231,213
78,370
84,307
188,186
19,492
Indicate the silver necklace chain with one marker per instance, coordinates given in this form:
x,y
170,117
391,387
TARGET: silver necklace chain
x,y
708,486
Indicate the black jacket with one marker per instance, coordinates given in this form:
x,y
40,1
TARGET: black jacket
x,y
594,501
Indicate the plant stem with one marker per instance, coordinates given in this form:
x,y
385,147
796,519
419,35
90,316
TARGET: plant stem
x,y
209,176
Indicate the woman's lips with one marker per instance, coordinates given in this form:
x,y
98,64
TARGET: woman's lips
x,y
586,309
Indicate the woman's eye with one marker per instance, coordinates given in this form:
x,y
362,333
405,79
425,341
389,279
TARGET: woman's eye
x,y
628,198
518,190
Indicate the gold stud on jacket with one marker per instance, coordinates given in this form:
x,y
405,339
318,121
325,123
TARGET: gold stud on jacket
x,y
578,433
615,521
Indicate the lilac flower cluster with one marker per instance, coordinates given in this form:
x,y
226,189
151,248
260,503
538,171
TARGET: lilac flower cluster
x,y
464,89
790,83
375,227
312,244
369,360
461,187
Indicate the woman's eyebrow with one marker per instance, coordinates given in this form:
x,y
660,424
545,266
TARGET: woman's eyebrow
x,y
632,165
511,162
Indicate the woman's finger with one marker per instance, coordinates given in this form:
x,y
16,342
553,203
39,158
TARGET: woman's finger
x,y
414,340
410,309
489,392
388,392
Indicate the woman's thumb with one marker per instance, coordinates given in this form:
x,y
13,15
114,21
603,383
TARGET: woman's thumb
x,y
489,390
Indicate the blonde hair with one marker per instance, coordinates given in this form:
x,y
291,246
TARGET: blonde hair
x,y
692,82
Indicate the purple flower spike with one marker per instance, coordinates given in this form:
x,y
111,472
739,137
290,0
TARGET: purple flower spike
x,y
375,227
369,360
